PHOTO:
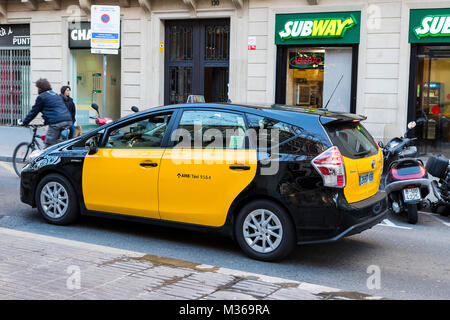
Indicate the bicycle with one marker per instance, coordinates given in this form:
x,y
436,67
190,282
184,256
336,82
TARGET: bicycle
x,y
23,150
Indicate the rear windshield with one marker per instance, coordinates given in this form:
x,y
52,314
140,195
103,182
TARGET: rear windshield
x,y
352,139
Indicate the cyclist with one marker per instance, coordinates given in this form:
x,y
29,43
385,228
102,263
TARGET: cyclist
x,y
53,109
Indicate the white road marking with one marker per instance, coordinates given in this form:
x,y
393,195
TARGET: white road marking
x,y
7,167
389,223
439,219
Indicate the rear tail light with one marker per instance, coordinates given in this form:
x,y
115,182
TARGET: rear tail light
x,y
330,165
397,176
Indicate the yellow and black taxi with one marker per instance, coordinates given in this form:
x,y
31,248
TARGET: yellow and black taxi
x,y
268,176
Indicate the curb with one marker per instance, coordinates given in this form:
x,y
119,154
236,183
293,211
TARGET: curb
x,y
5,159
317,290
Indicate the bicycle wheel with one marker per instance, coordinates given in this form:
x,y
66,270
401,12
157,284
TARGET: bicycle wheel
x,y
21,156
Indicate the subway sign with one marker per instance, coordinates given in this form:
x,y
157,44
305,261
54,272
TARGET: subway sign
x,y
429,26
317,28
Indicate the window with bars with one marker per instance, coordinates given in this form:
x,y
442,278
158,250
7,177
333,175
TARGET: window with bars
x,y
14,85
217,39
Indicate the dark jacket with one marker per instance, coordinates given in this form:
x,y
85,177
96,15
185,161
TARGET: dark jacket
x,y
70,105
52,106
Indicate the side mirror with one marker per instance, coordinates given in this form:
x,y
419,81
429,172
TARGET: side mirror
x,y
95,107
380,144
411,125
134,109
91,146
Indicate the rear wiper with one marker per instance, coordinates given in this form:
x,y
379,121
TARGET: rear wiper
x,y
362,153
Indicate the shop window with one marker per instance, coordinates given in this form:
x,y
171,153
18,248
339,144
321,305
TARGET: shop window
x,y
87,85
432,98
317,76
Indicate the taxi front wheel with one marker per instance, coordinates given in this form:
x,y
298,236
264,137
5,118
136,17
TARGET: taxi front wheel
x,y
264,231
56,200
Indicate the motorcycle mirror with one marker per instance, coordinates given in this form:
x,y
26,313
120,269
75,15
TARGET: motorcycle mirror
x,y
95,107
411,125
134,109
380,144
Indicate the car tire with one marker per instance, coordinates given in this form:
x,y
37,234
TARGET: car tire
x,y
276,231
56,200
412,213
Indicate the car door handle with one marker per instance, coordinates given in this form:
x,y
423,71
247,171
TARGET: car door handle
x,y
148,164
239,167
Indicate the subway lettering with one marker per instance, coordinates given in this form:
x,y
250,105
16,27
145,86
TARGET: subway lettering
x,y
319,28
433,26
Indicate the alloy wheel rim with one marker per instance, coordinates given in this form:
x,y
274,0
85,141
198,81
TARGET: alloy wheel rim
x,y
54,200
262,231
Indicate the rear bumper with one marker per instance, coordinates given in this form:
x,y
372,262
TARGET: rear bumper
x,y
401,184
357,217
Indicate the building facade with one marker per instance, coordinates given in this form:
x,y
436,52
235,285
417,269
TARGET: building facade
x,y
388,60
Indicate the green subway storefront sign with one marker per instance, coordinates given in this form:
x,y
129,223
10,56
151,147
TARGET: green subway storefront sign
x,y
317,28
429,25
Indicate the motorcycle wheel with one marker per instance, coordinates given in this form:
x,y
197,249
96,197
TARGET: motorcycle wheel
x,y
445,212
412,213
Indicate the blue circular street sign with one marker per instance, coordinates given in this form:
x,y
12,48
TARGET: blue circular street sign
x,y
105,18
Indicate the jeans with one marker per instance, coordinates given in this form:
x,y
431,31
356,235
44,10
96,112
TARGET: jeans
x,y
71,131
54,132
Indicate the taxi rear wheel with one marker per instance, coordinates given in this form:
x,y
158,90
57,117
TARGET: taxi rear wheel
x,y
264,231
56,200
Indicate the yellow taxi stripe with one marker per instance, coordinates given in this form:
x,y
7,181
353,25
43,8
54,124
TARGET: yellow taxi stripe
x,y
8,167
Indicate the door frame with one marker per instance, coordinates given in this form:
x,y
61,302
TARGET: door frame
x,y
198,63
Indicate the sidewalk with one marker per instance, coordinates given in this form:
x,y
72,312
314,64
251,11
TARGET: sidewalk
x,y
40,267
10,137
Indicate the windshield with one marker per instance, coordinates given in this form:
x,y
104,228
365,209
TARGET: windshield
x,y
352,139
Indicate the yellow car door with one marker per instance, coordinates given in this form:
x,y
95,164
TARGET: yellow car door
x,y
201,176
122,176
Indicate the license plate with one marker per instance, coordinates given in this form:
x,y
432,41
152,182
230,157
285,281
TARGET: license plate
x,y
366,178
411,194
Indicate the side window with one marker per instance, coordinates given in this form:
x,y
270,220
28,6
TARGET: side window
x,y
145,133
210,129
290,139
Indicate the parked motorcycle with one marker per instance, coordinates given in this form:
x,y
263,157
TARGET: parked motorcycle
x,y
404,178
99,120
438,166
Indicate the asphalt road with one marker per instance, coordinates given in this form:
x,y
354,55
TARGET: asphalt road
x,y
413,260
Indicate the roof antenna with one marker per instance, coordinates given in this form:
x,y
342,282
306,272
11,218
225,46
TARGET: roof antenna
x,y
333,92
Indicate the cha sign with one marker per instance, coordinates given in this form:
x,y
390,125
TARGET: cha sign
x,y
429,25
317,28
80,35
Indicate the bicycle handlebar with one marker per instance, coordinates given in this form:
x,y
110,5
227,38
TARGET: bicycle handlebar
x,y
35,125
